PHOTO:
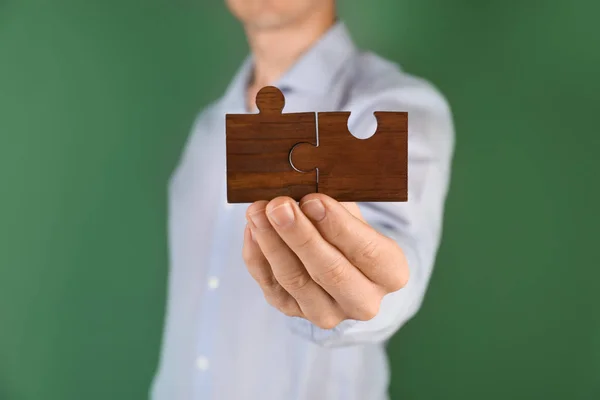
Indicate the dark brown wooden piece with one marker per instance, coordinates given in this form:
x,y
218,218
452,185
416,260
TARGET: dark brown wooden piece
x,y
258,151
353,169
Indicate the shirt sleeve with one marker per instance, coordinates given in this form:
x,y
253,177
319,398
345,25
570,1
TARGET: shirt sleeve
x,y
416,225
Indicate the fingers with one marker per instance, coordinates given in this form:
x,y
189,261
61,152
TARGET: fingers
x,y
260,270
351,207
320,259
378,257
327,266
314,302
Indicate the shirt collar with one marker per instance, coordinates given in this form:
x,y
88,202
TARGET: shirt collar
x,y
314,71
318,67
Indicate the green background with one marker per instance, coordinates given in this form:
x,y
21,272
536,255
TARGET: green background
x,y
96,101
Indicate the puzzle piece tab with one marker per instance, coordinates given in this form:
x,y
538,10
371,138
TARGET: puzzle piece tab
x,y
258,151
358,170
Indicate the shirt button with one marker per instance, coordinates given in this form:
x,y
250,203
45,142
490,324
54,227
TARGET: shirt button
x,y
213,282
202,363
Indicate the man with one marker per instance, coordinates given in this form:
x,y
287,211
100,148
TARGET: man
x,y
279,300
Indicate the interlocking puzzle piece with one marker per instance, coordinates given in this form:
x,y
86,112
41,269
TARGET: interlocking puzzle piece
x,y
258,151
272,154
353,169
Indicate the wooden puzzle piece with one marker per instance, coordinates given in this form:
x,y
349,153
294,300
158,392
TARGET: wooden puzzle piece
x,y
353,169
258,151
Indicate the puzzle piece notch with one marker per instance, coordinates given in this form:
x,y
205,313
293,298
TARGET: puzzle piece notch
x,y
258,151
354,169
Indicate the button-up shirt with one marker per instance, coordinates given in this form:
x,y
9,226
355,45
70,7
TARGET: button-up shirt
x,y
222,340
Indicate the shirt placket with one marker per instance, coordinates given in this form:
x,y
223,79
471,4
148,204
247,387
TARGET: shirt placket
x,y
209,307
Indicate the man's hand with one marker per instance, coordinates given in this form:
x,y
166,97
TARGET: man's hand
x,y
320,260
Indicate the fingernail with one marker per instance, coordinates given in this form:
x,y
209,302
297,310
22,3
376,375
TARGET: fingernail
x,y
259,219
314,209
282,215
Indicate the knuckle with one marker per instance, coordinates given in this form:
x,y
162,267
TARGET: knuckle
x,y
264,278
255,262
398,281
369,252
367,310
275,299
290,310
336,230
336,233
287,307
294,281
265,281
336,236
305,242
273,248
327,321
251,259
334,274
277,253
399,278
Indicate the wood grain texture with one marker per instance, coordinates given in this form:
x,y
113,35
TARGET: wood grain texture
x,y
358,170
258,151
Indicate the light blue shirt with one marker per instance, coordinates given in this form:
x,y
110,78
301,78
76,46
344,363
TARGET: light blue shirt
x,y
222,340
